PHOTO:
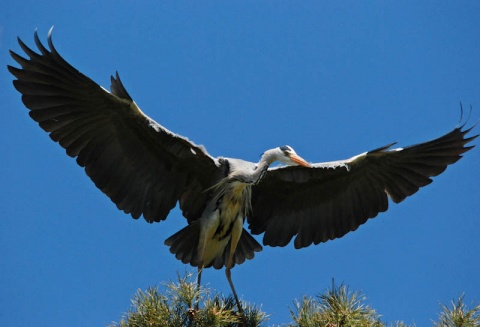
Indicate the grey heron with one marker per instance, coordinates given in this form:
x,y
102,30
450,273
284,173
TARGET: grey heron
x,y
145,169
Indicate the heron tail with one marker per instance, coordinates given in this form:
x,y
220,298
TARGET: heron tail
x,y
184,243
246,248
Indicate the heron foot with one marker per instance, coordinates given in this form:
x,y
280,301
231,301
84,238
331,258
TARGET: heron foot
x,y
191,316
244,318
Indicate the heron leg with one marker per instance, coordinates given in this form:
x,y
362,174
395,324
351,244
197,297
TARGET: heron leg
x,y
199,279
229,278
233,246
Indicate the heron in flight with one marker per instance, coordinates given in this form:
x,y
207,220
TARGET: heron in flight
x,y
145,169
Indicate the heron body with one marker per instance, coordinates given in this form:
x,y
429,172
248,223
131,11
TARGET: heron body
x,y
221,223
145,169
225,224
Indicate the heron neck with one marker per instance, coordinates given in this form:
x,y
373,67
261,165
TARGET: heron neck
x,y
262,167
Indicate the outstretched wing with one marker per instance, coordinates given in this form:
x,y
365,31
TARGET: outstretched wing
x,y
143,167
331,199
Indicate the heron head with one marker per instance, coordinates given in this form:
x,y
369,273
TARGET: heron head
x,y
288,156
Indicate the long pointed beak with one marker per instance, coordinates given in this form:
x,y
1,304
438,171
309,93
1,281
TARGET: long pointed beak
x,y
299,161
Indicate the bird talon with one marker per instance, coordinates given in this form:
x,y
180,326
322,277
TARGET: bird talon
x,y
192,312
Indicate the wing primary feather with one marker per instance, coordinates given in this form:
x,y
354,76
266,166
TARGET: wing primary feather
x,y
118,89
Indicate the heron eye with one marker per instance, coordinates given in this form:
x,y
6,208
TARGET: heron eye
x,y
285,149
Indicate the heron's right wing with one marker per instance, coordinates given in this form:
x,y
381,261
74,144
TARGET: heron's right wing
x,y
141,166
331,199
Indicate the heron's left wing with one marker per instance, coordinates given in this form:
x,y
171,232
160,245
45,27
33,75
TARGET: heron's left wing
x,y
331,199
140,165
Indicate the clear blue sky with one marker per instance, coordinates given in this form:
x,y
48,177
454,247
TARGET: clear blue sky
x,y
330,79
